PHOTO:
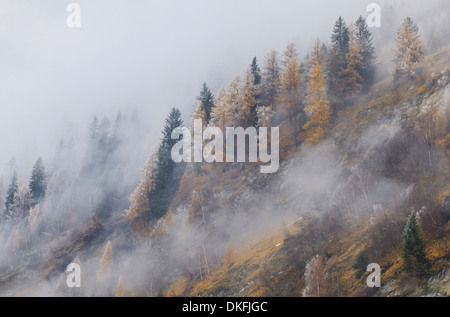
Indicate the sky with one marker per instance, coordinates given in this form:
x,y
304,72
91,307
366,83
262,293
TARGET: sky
x,y
136,55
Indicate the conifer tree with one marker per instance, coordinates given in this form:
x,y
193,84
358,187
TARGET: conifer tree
x,y
33,217
139,213
10,195
410,49
351,76
337,58
104,283
220,114
413,252
106,262
315,278
256,72
250,93
364,41
292,92
234,94
38,182
22,203
119,291
168,222
2,202
228,109
317,106
166,174
318,55
207,102
272,79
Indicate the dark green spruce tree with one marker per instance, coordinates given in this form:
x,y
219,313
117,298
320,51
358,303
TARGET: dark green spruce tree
x,y
364,41
337,59
207,102
413,252
256,71
257,91
38,182
166,174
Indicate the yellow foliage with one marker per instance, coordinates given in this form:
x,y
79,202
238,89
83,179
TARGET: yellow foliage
x,y
106,262
317,106
169,219
119,291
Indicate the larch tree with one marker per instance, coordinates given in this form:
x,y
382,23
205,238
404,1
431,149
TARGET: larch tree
x,y
119,291
104,283
272,79
410,49
38,182
318,55
265,115
34,217
292,89
22,203
219,115
351,76
139,212
228,109
168,222
317,106
250,93
106,262
316,278
234,93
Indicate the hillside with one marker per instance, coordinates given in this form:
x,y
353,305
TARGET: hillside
x,y
372,132
363,178
236,232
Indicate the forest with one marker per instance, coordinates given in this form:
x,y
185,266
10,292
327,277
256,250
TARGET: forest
x,y
362,177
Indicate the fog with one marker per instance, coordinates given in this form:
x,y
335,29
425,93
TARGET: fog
x,y
141,55
144,55
142,58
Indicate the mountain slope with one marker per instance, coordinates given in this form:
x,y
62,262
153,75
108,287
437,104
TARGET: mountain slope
x,y
388,153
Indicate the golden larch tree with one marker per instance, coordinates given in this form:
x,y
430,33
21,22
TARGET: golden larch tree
x,y
410,49
139,210
119,291
249,100
106,262
350,75
317,106
292,92
317,55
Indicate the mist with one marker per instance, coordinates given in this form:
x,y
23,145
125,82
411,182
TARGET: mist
x,y
141,58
